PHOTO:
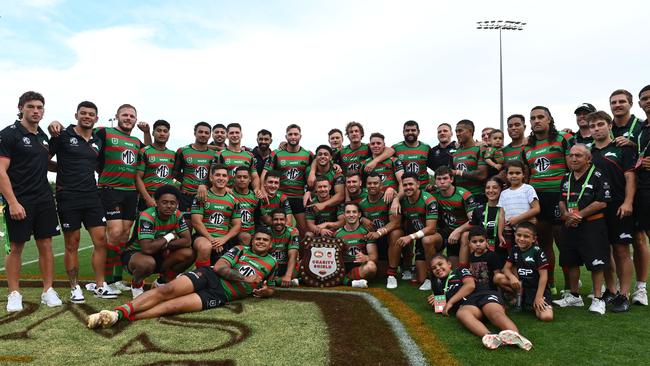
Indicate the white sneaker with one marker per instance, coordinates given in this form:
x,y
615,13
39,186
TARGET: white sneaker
x,y
105,319
91,286
77,296
391,282
512,337
569,300
491,341
407,275
426,285
122,286
14,302
51,298
597,306
295,282
137,291
640,296
105,292
360,283
114,289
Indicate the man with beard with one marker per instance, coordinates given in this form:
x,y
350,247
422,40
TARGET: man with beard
x,y
155,167
442,154
360,252
583,135
327,220
413,153
285,246
234,156
262,151
390,170
218,137
353,190
469,168
325,168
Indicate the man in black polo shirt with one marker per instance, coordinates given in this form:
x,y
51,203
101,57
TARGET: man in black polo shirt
x,y
24,159
618,163
441,154
77,148
583,136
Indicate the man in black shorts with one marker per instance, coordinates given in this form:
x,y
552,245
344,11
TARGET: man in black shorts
x,y
77,198
239,273
30,209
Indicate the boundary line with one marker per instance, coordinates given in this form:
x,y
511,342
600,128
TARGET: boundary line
x,y
55,255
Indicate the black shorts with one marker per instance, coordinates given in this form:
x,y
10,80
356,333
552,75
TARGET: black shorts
x,y
185,204
159,257
528,297
76,208
480,298
350,266
208,286
587,244
41,221
296,204
419,251
549,205
642,210
619,231
382,248
453,250
118,204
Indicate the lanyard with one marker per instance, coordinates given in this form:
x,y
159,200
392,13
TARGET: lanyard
x,y
449,276
584,185
496,221
629,132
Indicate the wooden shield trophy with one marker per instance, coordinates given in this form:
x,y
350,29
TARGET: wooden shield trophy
x,y
322,262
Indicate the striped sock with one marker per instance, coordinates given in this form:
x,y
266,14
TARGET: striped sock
x,y
354,274
125,311
391,271
118,269
112,259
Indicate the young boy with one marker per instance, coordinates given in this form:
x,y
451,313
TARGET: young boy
x,y
493,155
530,279
483,263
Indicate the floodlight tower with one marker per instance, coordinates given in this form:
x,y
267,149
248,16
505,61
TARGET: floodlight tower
x,y
501,25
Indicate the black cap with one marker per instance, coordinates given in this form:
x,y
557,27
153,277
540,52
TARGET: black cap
x,y
585,107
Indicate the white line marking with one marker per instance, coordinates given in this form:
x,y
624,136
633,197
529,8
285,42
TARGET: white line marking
x,y
56,255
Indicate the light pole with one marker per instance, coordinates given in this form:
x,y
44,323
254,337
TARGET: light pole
x,y
501,25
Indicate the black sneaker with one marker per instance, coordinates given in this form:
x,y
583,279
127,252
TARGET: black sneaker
x,y
620,304
608,297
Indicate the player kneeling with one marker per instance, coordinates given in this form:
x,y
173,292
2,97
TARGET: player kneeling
x,y
360,251
160,242
454,292
238,273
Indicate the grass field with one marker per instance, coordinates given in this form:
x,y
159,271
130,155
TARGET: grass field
x,y
575,337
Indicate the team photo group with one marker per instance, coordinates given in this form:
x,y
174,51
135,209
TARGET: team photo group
x,y
475,222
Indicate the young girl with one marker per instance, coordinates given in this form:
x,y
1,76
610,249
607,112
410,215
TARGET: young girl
x,y
519,202
453,291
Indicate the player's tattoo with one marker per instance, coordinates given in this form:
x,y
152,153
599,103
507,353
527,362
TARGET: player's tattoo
x,y
73,275
230,274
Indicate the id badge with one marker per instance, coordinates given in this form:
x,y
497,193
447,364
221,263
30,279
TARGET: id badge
x,y
439,302
573,208
638,162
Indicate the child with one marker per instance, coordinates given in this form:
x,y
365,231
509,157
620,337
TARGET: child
x,y
519,202
454,291
493,155
483,263
530,279
490,217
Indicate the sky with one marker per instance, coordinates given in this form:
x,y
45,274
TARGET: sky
x,y
320,64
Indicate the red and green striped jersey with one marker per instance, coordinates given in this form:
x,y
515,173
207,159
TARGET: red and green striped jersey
x,y
513,153
293,166
218,212
289,238
547,163
351,159
355,242
332,176
157,166
150,226
246,262
280,200
329,214
496,155
377,211
417,213
455,209
192,167
386,171
118,160
248,204
468,160
363,193
414,160
232,160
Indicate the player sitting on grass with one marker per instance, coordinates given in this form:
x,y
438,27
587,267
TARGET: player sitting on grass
x,y
530,279
360,252
160,242
455,291
238,273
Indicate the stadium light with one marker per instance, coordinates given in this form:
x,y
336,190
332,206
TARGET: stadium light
x,y
501,25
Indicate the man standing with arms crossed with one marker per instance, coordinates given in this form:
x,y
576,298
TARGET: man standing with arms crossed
x,y
30,209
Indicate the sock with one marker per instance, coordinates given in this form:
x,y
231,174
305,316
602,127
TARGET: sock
x,y
118,268
137,284
125,311
354,274
112,259
640,285
199,264
391,271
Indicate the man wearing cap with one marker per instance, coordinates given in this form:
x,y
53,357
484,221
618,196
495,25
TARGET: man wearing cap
x,y
583,136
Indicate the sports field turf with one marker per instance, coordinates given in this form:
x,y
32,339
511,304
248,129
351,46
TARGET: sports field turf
x,y
575,337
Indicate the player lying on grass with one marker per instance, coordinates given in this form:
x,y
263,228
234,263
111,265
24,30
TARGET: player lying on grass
x,y
238,273
454,291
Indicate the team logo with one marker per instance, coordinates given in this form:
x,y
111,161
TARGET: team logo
x,y
27,141
354,167
462,167
542,164
413,167
377,223
292,174
246,271
417,224
94,146
201,172
162,171
449,218
189,160
246,216
73,141
114,141
217,218
432,208
280,256
382,177
152,159
128,157
145,224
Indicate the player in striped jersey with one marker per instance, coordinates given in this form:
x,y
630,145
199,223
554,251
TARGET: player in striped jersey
x,y
160,242
325,168
389,170
353,155
155,165
239,273
323,222
248,204
285,247
515,149
274,200
354,192
360,252
469,168
413,153
217,220
234,156
546,153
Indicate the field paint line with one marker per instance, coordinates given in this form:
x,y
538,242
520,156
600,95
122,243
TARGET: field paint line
x,y
56,255
410,348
